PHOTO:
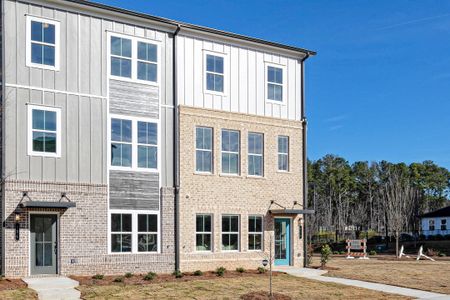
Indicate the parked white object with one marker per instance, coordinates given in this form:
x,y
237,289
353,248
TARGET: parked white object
x,y
402,249
420,254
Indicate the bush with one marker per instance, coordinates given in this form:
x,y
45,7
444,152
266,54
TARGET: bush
x,y
240,270
442,254
309,254
439,237
261,270
198,273
128,275
220,271
118,279
150,276
447,237
325,253
372,252
431,252
177,274
335,252
342,252
98,276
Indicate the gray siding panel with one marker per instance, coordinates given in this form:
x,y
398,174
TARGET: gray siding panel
x,y
129,98
134,190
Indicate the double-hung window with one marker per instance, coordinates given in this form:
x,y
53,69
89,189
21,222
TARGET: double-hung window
x,y
255,233
431,225
203,149
133,58
42,43
443,224
255,154
134,143
230,151
230,233
274,83
283,153
121,233
215,73
147,233
44,131
203,233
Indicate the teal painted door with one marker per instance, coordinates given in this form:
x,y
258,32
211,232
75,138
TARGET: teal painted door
x,y
282,242
43,244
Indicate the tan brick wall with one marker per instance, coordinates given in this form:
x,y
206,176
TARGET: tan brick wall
x,y
218,194
83,231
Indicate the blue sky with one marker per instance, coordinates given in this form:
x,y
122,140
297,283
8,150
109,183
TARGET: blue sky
x,y
379,87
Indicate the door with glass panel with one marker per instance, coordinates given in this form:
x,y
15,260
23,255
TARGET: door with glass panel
x,y
44,244
282,242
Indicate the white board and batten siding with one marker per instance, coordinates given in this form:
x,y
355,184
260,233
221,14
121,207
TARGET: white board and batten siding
x,y
245,79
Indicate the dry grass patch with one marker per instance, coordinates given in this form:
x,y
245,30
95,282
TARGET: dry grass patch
x,y
18,294
232,288
422,275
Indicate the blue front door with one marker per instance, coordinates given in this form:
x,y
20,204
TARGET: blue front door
x,y
282,242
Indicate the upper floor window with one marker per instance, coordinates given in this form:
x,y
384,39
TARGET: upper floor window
x,y
230,233
431,225
134,143
44,131
203,149
215,73
133,59
274,83
230,151
203,233
443,224
255,154
42,43
283,153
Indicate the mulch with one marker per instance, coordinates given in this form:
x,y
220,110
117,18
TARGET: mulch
x,y
11,284
138,279
264,296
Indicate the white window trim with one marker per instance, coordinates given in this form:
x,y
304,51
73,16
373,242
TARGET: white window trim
x,y
231,152
255,154
134,58
225,72
283,85
283,153
134,144
230,232
134,230
204,232
31,152
29,19
256,232
204,150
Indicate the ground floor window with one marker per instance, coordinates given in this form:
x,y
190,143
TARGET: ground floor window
x,y
431,225
121,233
443,224
230,233
147,233
255,234
203,233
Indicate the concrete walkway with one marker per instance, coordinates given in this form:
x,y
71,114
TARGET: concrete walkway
x,y
317,275
54,288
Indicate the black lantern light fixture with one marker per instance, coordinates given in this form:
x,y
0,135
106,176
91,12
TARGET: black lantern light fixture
x,y
17,218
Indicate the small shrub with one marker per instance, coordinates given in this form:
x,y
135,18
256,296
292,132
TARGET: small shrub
x,y
98,276
261,270
335,252
372,252
128,275
220,271
177,274
309,255
341,252
150,276
118,279
325,253
439,237
198,273
240,270
442,254
431,252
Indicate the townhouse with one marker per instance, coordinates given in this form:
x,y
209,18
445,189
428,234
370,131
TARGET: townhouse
x,y
133,143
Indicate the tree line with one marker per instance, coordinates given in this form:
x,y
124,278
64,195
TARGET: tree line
x,y
381,197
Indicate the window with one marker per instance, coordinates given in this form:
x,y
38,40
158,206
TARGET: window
x,y
230,233
215,73
44,130
203,149
121,233
133,58
42,43
230,151
203,233
255,234
443,224
274,83
255,154
134,143
283,153
431,225
147,145
147,233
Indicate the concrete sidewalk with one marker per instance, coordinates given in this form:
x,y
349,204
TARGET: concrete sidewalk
x,y
54,288
317,275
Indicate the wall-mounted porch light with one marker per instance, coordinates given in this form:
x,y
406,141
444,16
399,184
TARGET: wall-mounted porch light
x,y
17,218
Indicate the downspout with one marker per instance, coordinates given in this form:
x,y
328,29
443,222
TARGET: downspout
x,y
176,152
304,160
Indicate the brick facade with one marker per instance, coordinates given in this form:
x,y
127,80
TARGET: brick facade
x,y
242,195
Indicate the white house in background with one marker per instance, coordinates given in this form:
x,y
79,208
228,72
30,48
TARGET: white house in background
x,y
436,222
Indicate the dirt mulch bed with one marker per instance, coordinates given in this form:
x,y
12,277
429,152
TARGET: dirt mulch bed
x,y
138,279
264,296
11,284
328,268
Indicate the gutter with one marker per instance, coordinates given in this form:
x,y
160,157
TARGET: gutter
x,y
176,147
